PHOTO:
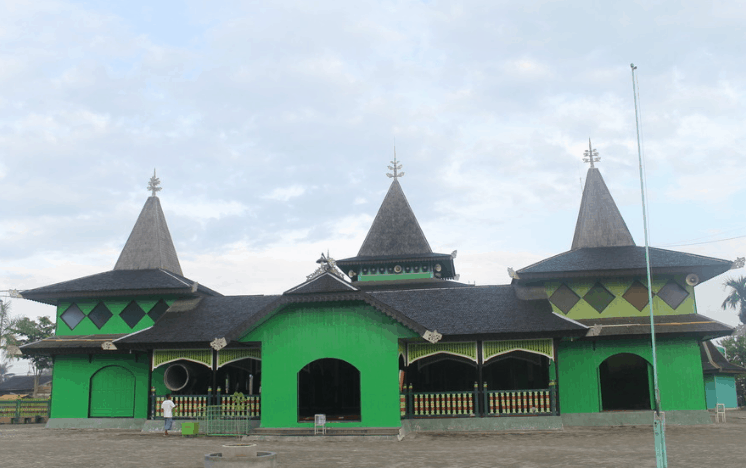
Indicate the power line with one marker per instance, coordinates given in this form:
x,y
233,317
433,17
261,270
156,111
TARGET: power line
x,y
704,242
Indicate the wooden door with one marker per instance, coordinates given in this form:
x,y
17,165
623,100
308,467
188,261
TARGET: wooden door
x,y
112,393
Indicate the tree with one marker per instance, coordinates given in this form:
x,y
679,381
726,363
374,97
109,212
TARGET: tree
x,y
27,331
4,370
7,323
737,298
735,352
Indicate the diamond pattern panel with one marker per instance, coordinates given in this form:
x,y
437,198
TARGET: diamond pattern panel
x,y
100,315
598,297
637,295
673,294
132,314
72,316
564,298
158,310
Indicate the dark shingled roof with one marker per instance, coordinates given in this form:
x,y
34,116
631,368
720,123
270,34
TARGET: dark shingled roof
x,y
149,245
483,310
713,361
202,322
395,230
231,317
599,222
423,283
119,283
479,310
687,324
626,260
22,383
70,344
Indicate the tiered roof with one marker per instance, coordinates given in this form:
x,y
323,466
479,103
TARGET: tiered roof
x,y
147,265
603,246
149,245
396,236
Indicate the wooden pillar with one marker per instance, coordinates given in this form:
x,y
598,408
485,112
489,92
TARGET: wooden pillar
x,y
214,375
480,376
556,377
151,413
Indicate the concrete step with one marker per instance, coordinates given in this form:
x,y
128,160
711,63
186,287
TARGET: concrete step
x,y
330,431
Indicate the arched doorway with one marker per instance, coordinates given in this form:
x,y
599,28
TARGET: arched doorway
x,y
625,383
517,370
329,386
442,373
112,393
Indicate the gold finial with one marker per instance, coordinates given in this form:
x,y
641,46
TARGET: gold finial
x,y
154,183
396,166
591,155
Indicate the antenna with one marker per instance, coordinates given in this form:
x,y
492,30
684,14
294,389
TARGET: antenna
x,y
396,166
591,155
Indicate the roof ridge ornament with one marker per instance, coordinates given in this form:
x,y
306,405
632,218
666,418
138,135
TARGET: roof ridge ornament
x,y
153,184
326,264
396,166
591,155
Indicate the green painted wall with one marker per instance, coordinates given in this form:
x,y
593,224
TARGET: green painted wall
x,y
72,377
680,377
391,277
115,323
619,307
156,380
356,333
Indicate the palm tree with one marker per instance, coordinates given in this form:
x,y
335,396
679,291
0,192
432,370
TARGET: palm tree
x,y
737,298
4,370
6,325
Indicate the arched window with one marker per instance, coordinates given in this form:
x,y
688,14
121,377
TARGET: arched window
x,y
625,383
331,387
517,370
112,393
442,373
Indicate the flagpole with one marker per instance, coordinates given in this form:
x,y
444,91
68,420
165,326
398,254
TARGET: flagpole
x,y
659,419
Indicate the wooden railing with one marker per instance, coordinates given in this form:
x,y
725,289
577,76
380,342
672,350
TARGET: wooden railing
x,y
22,410
462,404
193,406
538,402
519,402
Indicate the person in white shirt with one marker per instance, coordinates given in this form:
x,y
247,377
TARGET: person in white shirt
x,y
168,406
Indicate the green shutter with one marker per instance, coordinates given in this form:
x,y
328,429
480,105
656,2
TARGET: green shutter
x,y
112,393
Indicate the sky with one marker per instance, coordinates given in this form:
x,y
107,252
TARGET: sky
x,y
271,126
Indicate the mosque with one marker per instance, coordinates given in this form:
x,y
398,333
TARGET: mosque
x,y
388,339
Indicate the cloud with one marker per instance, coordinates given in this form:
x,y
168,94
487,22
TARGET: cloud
x,y
285,193
271,128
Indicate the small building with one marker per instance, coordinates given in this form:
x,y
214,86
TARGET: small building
x,y
720,377
24,385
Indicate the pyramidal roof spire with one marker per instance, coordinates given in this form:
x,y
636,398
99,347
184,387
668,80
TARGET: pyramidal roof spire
x,y
395,230
149,245
600,224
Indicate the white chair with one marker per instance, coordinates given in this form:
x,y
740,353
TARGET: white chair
x,y
719,411
319,424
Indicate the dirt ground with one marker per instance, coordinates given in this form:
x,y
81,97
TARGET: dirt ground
x,y
721,445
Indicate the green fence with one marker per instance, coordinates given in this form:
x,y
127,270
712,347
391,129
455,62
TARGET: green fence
x,y
18,411
217,421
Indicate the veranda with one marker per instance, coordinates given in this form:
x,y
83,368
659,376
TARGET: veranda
x,y
437,380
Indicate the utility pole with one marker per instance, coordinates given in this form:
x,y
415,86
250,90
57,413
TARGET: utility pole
x,y
659,418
